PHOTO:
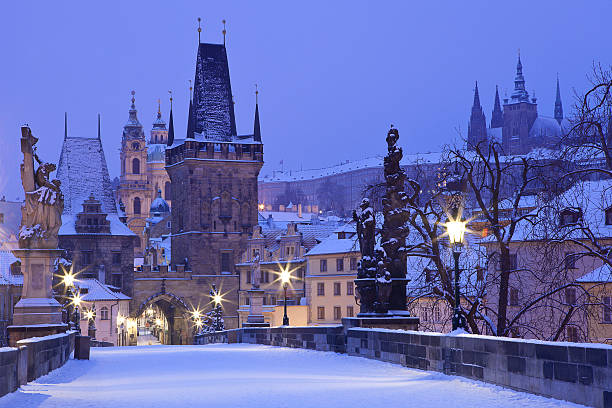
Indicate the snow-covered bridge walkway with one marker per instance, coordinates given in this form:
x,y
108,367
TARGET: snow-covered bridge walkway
x,y
244,375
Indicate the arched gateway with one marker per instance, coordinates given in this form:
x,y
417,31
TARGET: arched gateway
x,y
167,317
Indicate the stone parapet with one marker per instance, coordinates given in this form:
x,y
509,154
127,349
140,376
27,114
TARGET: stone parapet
x,y
33,358
576,372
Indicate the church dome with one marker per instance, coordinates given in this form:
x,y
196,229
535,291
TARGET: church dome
x,y
159,205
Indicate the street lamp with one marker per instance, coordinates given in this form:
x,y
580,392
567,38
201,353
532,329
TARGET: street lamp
x,y
285,278
217,298
76,302
455,228
91,329
68,280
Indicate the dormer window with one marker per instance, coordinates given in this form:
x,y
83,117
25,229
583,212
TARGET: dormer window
x,y
570,216
609,216
342,235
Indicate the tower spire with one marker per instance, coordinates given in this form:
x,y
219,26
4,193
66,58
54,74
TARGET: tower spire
x,y
99,137
65,125
158,108
190,117
477,128
256,127
558,104
520,94
497,116
224,32
199,30
171,124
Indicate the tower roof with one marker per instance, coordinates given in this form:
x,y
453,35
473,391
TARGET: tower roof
x,y
497,116
256,127
476,97
170,127
133,118
213,107
519,94
159,205
558,104
159,123
82,171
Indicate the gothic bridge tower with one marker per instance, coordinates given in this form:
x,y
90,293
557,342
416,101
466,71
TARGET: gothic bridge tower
x,y
213,174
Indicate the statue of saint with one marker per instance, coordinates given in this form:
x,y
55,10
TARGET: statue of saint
x,y
366,226
41,216
256,273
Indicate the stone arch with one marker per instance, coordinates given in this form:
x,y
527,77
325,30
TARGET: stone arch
x,y
176,313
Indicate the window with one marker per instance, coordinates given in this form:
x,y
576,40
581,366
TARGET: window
x,y
320,313
342,235
135,146
609,216
350,288
513,297
572,333
225,262
353,264
428,275
86,257
323,265
135,166
607,309
570,296
570,261
570,216
104,313
116,258
167,191
339,264
136,205
1,218
320,289
349,311
248,276
437,314
337,313
116,280
273,300
337,289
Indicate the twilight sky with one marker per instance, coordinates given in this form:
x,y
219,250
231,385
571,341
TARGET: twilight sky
x,y
332,75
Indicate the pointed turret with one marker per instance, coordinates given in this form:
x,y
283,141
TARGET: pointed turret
x,y
558,104
99,137
519,94
256,128
497,116
65,125
190,121
171,127
477,128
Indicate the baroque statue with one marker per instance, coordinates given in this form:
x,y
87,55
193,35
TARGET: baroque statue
x,y
256,273
41,216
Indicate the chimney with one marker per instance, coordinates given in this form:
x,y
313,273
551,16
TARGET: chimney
x,y
299,210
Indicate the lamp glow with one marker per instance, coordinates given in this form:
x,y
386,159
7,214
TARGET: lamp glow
x,y
196,314
261,207
217,298
158,322
89,314
285,276
77,299
456,231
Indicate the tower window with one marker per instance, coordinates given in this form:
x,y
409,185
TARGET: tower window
x,y
167,190
136,205
136,166
135,146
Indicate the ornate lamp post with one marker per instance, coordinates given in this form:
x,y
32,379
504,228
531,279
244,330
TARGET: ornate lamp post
x,y
285,279
455,227
76,302
217,299
68,280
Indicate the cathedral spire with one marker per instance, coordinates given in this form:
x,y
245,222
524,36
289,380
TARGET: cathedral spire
x,y
558,104
520,94
256,127
171,124
477,128
199,30
497,116
224,32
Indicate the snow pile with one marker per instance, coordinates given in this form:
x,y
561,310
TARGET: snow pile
x,y
242,375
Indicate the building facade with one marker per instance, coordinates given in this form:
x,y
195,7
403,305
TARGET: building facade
x,y
331,272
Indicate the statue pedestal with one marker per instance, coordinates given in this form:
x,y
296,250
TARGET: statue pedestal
x,y
393,320
255,318
37,313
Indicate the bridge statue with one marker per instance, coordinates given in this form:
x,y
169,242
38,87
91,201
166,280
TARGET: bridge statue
x,y
37,313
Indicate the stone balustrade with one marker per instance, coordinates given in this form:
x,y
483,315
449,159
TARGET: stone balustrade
x,y
33,358
577,372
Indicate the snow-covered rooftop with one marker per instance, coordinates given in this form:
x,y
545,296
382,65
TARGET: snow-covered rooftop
x,y
6,278
599,275
97,291
334,245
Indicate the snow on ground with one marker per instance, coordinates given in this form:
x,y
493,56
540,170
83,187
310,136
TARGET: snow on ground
x,y
244,375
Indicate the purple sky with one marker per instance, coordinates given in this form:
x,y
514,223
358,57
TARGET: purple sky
x,y
332,75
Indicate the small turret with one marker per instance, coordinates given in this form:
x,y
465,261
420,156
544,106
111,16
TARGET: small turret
x,y
477,128
558,104
497,116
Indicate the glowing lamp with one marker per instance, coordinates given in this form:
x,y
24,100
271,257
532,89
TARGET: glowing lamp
x,y
456,232
196,314
89,314
217,298
285,276
68,279
261,207
76,300
158,322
